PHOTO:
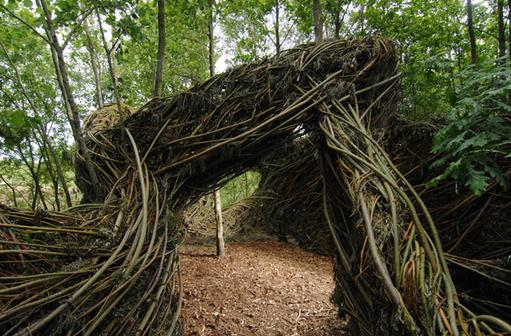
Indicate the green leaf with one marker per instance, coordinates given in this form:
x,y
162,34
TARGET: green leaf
x,y
477,181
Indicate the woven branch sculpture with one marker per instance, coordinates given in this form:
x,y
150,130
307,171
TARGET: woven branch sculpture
x,y
113,269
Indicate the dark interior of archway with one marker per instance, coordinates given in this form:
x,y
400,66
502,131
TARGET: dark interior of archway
x,y
117,270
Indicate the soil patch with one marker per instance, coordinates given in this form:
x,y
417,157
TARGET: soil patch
x,y
258,288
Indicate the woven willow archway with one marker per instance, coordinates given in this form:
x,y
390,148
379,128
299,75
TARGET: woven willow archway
x,y
113,269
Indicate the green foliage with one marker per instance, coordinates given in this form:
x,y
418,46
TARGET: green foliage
x,y
15,126
245,28
186,61
432,42
478,135
239,188
429,38
302,10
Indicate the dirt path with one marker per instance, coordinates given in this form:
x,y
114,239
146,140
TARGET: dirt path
x,y
259,288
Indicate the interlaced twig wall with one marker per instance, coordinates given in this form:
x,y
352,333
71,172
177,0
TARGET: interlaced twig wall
x,y
113,270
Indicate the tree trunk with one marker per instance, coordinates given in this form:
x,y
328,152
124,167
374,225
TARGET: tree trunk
x,y
277,27
471,33
211,39
110,54
38,193
94,64
337,23
158,75
220,246
509,28
500,24
220,249
65,87
318,21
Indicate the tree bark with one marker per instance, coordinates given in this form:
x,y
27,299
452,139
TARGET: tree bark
x,y
318,21
500,24
471,33
94,64
158,75
70,104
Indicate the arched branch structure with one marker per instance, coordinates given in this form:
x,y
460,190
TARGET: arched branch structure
x,y
113,269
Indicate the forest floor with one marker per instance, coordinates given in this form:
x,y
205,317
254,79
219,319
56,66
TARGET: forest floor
x,y
259,288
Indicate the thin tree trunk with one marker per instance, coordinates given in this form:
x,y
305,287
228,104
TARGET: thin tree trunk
x,y
220,245
35,176
318,21
49,167
500,24
58,168
110,53
277,27
60,175
12,190
158,75
471,33
71,106
38,174
509,28
94,64
211,39
337,22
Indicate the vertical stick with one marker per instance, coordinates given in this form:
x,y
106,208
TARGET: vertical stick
x,y
471,33
220,245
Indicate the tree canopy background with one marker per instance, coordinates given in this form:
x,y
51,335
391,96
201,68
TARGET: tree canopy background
x,y
108,52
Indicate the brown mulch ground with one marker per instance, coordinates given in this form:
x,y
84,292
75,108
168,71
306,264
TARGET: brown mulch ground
x,y
258,288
